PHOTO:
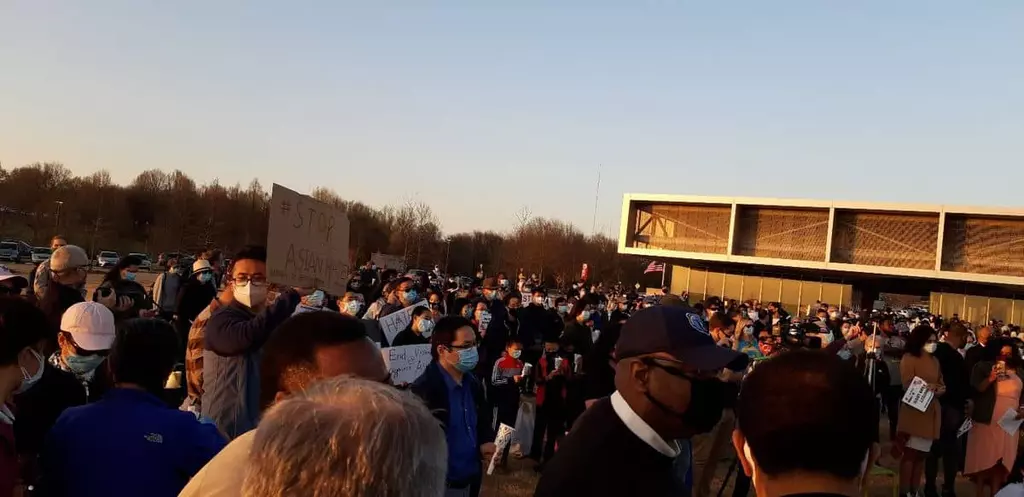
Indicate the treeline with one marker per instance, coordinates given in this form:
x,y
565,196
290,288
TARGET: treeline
x,y
160,212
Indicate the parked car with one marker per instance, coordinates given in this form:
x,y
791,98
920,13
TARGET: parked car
x,y
24,249
40,254
147,264
9,252
107,258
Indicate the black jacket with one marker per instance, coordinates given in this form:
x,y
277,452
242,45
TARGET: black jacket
x,y
56,300
580,337
955,376
431,388
535,323
601,457
193,298
409,337
37,411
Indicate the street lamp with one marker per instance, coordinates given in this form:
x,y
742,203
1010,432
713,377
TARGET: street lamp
x,y
447,253
57,223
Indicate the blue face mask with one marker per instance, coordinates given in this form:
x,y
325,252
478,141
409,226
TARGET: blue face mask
x,y
205,277
410,296
129,276
468,359
81,365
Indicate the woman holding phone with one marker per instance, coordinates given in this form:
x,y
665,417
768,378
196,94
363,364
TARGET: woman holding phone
x,y
990,449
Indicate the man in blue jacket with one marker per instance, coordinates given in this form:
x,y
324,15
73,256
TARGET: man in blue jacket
x,y
457,400
235,335
130,443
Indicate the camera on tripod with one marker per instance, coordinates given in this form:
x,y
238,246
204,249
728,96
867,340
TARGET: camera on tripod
x,y
802,336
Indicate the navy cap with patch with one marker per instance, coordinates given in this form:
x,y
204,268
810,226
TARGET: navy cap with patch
x,y
679,332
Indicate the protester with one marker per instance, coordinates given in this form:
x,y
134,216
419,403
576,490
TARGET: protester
x,y
306,348
419,329
119,291
87,332
991,450
130,443
599,381
196,293
195,346
506,376
351,303
66,284
43,272
806,423
953,405
576,330
22,334
234,336
457,400
893,347
549,426
404,295
666,390
366,440
165,290
978,352
496,334
374,311
918,430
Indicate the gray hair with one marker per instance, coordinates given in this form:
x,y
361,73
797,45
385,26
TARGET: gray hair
x,y
351,437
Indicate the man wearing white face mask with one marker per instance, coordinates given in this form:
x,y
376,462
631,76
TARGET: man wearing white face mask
x,y
806,425
234,337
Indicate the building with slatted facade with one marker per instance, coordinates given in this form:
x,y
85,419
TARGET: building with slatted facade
x,y
966,260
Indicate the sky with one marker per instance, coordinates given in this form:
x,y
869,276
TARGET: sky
x,y
482,108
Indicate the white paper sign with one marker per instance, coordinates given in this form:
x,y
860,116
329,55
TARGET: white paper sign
x,y
394,323
1009,421
918,395
406,363
964,428
485,321
502,440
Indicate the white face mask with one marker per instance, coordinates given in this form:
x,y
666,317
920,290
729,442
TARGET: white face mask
x,y
754,316
930,347
585,315
27,380
353,307
426,327
250,295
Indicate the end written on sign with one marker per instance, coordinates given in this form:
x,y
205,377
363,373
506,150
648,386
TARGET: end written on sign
x,y
307,242
406,363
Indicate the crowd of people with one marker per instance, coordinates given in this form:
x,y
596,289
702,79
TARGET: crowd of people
x,y
215,382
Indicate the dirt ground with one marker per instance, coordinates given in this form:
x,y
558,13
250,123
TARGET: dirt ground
x,y
519,479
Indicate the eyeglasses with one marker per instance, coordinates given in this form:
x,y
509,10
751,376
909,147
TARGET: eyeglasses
x,y
463,346
679,373
244,279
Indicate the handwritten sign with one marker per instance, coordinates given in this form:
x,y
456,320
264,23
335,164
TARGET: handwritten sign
x,y
388,261
307,242
406,363
918,395
501,440
394,323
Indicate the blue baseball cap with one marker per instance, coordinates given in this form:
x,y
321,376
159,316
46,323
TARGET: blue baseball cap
x,y
679,332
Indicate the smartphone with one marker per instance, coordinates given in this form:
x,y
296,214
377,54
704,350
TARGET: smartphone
x,y
1001,368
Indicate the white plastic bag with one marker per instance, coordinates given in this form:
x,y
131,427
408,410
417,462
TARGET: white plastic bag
x,y
522,438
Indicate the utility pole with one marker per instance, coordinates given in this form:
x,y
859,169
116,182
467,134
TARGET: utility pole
x,y
56,223
597,195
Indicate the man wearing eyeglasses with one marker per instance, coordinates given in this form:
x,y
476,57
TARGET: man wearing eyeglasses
x,y
667,389
234,337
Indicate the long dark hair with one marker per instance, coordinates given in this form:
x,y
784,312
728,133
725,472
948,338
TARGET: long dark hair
x,y
917,339
995,347
114,275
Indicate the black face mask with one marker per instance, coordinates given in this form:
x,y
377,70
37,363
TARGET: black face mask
x,y
707,400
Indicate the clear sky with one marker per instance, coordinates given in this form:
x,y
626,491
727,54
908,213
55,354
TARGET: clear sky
x,y
481,107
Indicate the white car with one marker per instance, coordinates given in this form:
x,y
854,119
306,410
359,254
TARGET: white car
x,y
147,264
107,258
40,254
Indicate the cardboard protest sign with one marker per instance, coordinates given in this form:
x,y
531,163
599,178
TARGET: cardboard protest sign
x,y
918,395
394,323
387,261
406,363
307,242
501,441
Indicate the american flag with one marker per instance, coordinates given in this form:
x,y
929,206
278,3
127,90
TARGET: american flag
x,y
655,267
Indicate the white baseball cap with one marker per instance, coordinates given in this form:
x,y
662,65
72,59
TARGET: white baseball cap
x,y
90,324
201,265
